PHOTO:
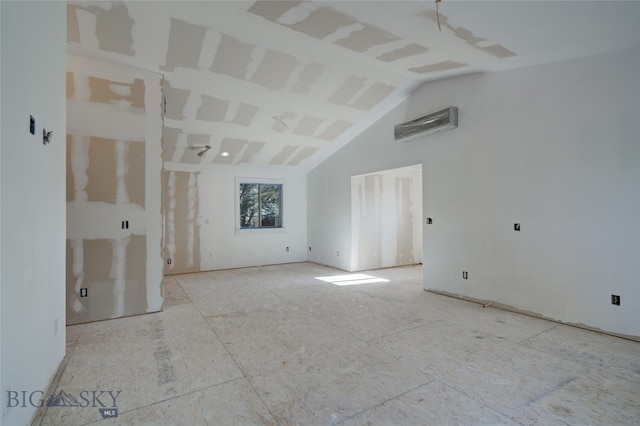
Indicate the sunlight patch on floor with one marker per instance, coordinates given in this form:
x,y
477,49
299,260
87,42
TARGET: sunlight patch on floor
x,y
352,279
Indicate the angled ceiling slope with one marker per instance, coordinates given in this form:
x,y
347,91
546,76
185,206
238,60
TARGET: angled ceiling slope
x,y
287,83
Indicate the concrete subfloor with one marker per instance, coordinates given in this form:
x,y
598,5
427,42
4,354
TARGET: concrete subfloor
x,y
274,345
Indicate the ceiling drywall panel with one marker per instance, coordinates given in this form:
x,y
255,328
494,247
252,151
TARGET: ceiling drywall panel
x,y
287,83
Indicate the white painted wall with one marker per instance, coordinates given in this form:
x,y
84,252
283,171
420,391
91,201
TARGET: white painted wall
x,y
552,147
223,246
33,199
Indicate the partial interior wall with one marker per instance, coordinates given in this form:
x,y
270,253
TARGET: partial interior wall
x,y
553,148
114,230
33,208
181,221
386,214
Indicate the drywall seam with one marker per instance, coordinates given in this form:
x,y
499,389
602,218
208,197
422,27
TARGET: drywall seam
x,y
118,274
77,247
153,194
170,218
192,194
119,258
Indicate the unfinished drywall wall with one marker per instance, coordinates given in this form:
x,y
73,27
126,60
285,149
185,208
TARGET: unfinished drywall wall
x,y
386,218
181,219
114,228
553,148
32,187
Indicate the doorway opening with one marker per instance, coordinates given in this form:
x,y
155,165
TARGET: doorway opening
x,y
386,218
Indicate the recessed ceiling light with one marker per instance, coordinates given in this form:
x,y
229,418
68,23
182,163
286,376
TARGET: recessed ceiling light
x,y
224,153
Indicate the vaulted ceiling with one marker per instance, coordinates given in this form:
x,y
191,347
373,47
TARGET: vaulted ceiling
x,y
287,83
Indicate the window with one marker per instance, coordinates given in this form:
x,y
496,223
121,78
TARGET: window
x,y
260,205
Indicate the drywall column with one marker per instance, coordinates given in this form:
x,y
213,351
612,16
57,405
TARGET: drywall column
x,y
32,189
114,226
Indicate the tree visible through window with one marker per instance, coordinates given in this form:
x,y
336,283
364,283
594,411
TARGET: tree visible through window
x,y
260,205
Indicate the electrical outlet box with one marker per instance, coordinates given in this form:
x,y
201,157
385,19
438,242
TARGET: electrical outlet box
x,y
465,275
32,125
516,227
169,261
615,299
287,249
83,292
429,221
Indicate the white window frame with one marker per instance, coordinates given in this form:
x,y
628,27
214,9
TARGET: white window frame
x,y
283,207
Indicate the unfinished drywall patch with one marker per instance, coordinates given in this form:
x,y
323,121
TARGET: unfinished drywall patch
x,y
366,38
135,178
281,122
440,66
176,101
244,115
323,22
103,21
77,164
272,10
469,37
212,109
274,70
73,29
369,206
185,45
307,77
282,156
169,142
109,92
194,144
198,141
182,228
70,192
232,57
88,261
70,87
403,52
136,287
99,174
374,95
347,90
251,151
100,170
308,125
219,110
302,155
335,129
113,274
234,147
404,220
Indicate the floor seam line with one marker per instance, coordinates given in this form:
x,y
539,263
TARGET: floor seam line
x,y
385,401
246,377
